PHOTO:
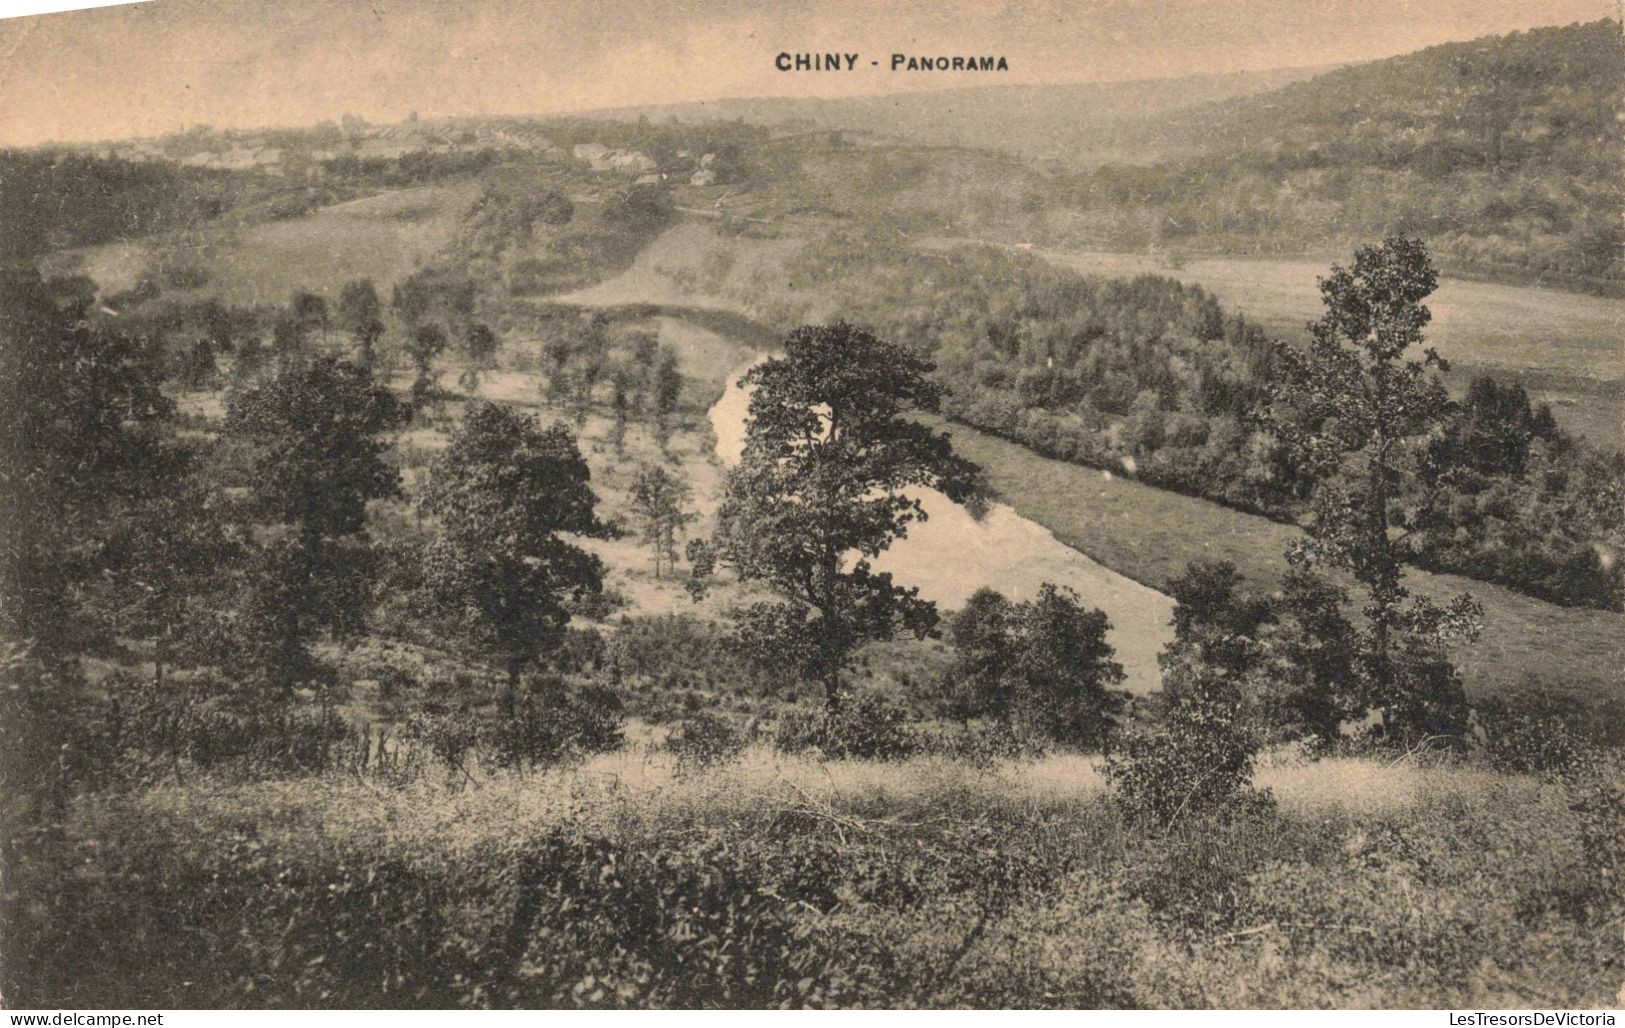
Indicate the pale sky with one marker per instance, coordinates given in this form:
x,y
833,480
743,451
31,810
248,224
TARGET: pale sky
x,y
149,68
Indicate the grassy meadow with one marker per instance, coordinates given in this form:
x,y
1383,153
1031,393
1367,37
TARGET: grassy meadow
x,y
630,880
383,237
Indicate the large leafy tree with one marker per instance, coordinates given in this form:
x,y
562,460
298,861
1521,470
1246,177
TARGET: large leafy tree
x,y
819,493
311,448
1356,408
508,495
80,435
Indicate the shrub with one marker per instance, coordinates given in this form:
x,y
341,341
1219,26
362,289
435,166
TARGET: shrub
x,y
1189,881
579,651
1595,787
982,744
706,740
186,276
1423,698
335,894
557,917
1537,730
209,724
393,680
549,724
51,740
597,604
451,735
450,686
1196,757
865,727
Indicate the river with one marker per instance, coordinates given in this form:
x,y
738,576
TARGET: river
x,y
952,554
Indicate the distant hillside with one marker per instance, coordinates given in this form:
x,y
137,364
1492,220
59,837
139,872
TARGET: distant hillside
x,y
1504,152
1077,124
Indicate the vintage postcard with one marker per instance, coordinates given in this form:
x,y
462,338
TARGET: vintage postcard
x,y
536,504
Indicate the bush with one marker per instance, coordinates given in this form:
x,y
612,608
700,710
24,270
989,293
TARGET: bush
x,y
598,604
946,892
580,651
1595,787
451,735
1537,730
706,740
206,723
982,744
866,727
556,917
549,724
1193,880
186,276
1196,757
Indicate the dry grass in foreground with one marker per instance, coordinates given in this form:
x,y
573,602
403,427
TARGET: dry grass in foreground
x,y
629,881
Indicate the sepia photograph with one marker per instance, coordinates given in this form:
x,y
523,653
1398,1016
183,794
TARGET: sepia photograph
x,y
731,504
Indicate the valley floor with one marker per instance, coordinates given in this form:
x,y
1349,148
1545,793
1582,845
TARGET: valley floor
x,y
1149,535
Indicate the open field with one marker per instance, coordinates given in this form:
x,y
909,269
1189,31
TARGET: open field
x,y
1567,348
380,237
1151,534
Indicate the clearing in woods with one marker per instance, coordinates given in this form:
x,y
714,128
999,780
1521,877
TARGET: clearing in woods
x,y
381,237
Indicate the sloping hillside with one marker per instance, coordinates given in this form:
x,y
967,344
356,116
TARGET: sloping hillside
x,y
1077,124
1503,152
